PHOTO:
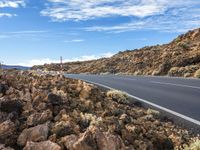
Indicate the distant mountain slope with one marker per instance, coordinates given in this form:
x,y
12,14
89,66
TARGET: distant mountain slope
x,y
181,57
15,67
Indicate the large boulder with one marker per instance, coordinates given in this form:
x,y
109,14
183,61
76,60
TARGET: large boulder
x,y
93,139
39,118
62,128
11,106
54,99
45,145
3,147
7,130
3,88
35,134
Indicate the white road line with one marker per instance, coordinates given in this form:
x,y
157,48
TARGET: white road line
x,y
123,78
152,104
180,85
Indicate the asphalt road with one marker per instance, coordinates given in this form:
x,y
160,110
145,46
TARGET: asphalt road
x,y
177,95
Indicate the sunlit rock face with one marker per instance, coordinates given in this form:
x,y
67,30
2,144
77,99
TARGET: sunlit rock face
x,y
39,112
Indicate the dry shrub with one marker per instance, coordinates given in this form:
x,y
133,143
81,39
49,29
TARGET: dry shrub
x,y
195,145
197,74
119,96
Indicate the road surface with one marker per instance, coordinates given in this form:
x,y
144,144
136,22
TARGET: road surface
x,y
178,96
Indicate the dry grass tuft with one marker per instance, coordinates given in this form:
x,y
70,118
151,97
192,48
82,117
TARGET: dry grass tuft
x,y
197,74
195,145
119,96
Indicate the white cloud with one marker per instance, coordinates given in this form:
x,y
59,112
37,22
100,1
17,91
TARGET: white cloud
x,y
62,10
74,41
12,3
162,15
180,17
29,32
49,61
24,33
7,15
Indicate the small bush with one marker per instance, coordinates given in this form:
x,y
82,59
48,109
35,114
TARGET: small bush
x,y
91,119
174,71
187,75
153,112
185,46
155,73
197,74
195,145
118,96
137,73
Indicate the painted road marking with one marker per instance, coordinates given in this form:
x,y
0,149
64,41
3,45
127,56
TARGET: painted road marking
x,y
123,78
180,85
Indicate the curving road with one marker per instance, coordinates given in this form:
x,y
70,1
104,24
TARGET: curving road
x,y
178,96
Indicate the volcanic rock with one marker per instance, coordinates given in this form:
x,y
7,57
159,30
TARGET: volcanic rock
x,y
45,145
39,118
61,113
11,106
35,134
3,88
7,132
2,147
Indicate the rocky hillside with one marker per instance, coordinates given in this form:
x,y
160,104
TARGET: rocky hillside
x,y
181,57
43,112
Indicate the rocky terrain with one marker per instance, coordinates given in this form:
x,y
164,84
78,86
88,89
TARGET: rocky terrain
x,y
44,112
181,58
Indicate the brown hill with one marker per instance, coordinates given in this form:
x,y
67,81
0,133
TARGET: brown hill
x,y
181,57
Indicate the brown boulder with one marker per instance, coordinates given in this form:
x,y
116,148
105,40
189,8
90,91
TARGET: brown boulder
x,y
7,129
45,145
2,147
62,128
93,139
3,88
69,141
39,118
35,134
54,99
11,106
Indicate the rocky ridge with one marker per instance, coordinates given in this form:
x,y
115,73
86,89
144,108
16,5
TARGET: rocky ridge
x,y
180,58
40,112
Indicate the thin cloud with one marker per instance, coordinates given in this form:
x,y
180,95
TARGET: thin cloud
x,y
29,32
63,10
74,41
3,36
161,15
7,15
178,19
49,61
24,33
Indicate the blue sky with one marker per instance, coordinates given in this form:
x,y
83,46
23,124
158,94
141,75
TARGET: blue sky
x,y
40,31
